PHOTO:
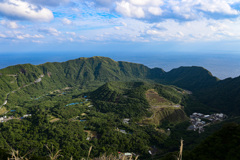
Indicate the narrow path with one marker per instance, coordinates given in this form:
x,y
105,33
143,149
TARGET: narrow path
x,y
36,81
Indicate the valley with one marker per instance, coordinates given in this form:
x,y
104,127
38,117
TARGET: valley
x,y
107,105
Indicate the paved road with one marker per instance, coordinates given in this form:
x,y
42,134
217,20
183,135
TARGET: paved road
x,y
36,81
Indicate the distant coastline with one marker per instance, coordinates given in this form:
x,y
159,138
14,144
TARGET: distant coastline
x,y
220,65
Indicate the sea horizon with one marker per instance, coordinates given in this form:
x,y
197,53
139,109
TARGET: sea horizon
x,y
220,65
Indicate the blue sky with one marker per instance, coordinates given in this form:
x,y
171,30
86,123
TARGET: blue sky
x,y
120,25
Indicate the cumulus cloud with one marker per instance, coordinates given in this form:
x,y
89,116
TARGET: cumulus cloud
x,y
24,36
129,10
50,31
20,10
9,24
17,35
158,10
66,21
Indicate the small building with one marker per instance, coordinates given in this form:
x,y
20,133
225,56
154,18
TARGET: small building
x,y
200,114
128,154
125,155
221,115
27,115
122,131
206,116
126,120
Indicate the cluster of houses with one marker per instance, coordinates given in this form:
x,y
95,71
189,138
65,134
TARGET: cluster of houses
x,y
6,118
199,120
3,119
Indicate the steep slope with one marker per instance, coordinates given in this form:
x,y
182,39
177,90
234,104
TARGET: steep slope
x,y
223,144
136,100
82,71
224,97
192,78
97,71
102,69
124,98
163,107
13,77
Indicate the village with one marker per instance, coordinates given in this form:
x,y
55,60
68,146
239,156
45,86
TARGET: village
x,y
199,120
7,118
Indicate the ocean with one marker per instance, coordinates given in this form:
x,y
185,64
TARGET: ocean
x,y
220,65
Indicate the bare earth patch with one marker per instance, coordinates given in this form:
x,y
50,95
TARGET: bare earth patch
x,y
3,110
161,109
155,100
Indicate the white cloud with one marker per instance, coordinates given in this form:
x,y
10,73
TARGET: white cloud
x,y
155,11
2,35
198,30
20,37
124,24
217,6
50,31
129,10
9,24
196,9
71,33
139,8
117,28
66,21
158,10
146,2
17,9
23,36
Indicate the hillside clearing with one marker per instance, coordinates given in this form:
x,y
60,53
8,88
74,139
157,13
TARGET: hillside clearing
x,y
162,109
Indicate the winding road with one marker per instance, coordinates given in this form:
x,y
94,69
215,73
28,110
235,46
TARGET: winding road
x,y
36,81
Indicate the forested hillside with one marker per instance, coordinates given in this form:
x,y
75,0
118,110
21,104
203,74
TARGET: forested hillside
x,y
224,97
112,106
90,73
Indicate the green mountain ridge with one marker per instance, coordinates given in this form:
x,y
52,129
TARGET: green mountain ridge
x,y
96,71
129,100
